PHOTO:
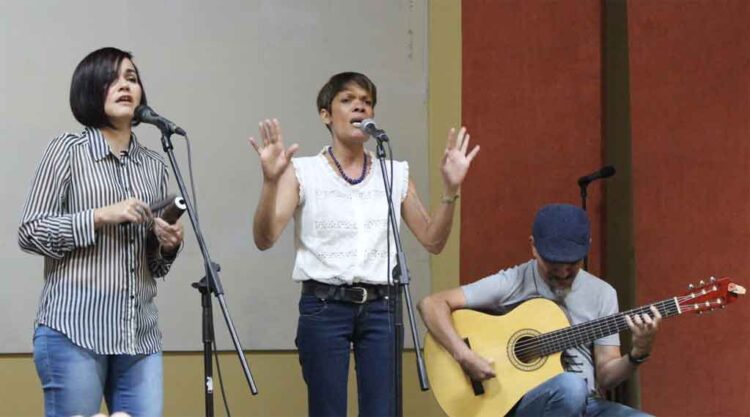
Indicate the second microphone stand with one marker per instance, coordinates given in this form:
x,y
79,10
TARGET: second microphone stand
x,y
212,284
584,196
400,283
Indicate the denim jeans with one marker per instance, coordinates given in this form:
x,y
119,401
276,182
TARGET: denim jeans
x,y
75,379
325,333
567,395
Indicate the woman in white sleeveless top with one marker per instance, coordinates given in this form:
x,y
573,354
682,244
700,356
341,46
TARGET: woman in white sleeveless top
x,y
337,199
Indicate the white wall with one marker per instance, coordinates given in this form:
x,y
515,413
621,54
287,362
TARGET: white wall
x,y
216,68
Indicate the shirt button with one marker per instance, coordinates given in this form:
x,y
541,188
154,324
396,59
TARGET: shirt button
x,y
132,297
132,269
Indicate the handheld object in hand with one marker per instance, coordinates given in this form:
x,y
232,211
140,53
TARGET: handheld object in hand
x,y
173,207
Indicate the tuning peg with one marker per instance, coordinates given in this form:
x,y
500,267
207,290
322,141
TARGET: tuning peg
x,y
690,287
712,280
702,283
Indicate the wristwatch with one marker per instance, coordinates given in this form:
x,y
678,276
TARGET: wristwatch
x,y
639,360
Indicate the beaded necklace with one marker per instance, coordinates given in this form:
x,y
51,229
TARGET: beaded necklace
x,y
352,181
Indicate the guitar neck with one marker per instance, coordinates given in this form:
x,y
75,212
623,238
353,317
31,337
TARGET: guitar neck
x,y
584,333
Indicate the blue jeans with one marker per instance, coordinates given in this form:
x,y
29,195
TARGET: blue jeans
x,y
567,395
325,333
74,379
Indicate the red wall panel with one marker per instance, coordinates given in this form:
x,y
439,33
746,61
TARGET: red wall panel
x,y
690,109
531,99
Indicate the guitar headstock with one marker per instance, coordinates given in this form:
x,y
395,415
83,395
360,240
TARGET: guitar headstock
x,y
708,296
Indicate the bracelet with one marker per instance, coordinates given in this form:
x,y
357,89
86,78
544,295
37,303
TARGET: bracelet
x,y
449,200
637,361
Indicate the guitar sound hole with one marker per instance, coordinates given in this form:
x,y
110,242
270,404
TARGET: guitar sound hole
x,y
526,350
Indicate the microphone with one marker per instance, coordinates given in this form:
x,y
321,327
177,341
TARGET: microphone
x,y
368,126
605,172
147,115
173,207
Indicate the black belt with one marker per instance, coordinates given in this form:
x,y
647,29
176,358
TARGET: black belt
x,y
357,293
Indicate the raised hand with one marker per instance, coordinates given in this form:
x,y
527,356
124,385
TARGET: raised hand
x,y
455,161
131,210
274,159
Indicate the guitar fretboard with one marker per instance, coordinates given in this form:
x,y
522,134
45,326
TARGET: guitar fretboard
x,y
584,333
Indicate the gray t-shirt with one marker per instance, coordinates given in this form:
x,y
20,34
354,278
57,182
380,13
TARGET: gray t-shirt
x,y
590,298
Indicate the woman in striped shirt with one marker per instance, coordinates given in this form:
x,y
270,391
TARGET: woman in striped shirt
x,y
88,214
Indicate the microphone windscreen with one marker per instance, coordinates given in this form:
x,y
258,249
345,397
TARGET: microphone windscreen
x,y
608,171
142,112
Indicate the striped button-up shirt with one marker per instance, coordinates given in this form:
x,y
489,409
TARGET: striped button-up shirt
x,y
99,285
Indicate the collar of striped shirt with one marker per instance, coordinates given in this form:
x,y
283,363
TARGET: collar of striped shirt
x,y
100,148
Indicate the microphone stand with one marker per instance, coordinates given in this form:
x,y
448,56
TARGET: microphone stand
x,y
401,278
207,328
584,195
209,283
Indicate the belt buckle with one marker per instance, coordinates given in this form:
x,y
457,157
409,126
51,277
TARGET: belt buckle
x,y
364,295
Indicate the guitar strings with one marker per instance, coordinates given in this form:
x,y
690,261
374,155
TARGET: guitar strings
x,y
578,334
561,339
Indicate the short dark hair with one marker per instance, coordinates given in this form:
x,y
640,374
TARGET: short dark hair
x,y
338,83
91,79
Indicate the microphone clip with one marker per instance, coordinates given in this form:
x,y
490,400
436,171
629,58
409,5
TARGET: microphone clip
x,y
380,136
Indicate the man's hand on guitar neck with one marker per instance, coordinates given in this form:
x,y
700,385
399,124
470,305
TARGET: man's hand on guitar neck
x,y
612,368
644,328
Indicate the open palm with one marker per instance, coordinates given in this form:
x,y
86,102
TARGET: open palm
x,y
274,158
456,161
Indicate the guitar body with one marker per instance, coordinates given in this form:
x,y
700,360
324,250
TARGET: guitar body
x,y
494,338
507,339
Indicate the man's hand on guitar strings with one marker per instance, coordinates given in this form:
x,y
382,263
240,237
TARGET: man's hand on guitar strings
x,y
643,328
475,366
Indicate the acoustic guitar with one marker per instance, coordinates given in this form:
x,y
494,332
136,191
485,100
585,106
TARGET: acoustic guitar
x,y
526,346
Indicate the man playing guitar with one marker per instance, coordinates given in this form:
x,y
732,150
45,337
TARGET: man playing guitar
x,y
560,240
